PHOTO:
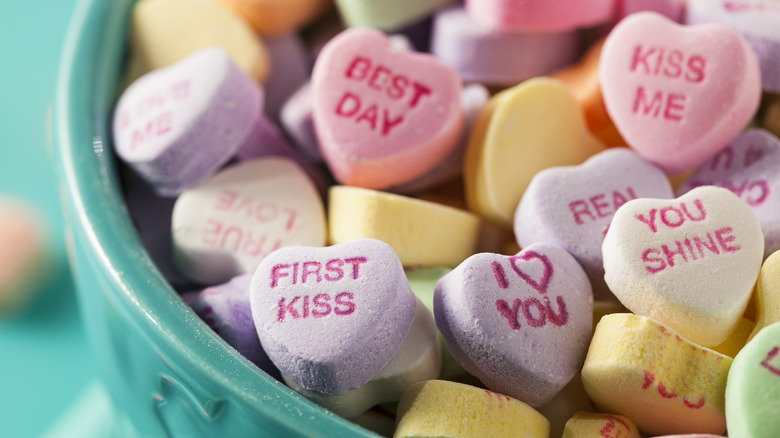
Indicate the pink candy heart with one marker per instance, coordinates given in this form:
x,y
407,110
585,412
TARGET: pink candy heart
x,y
383,116
678,94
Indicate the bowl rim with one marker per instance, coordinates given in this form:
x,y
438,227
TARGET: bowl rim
x,y
89,70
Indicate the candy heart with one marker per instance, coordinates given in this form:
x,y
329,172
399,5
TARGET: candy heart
x,y
690,262
753,387
177,126
227,225
521,324
383,116
572,206
530,127
756,21
672,9
483,55
331,318
604,425
748,167
665,384
540,16
678,94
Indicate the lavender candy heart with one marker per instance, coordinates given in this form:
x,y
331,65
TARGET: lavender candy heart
x,y
226,309
331,318
572,206
176,126
485,56
521,324
748,167
297,120
757,21
291,69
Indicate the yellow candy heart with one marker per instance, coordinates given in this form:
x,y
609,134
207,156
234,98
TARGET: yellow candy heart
x,y
522,130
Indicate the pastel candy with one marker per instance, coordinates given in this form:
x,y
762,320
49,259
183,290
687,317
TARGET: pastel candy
x,y
520,324
267,140
690,262
748,167
671,9
583,81
421,233
352,302
387,16
226,309
503,155
678,94
226,226
585,424
692,435
297,119
178,125
756,21
737,339
24,253
423,411
644,370
292,67
473,98
540,16
767,294
383,116
753,387
480,54
572,206
276,17
418,359
157,27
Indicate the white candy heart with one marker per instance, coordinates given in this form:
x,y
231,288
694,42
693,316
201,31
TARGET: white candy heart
x,y
689,262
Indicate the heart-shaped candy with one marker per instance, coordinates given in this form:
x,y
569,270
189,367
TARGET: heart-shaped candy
x,y
748,167
521,324
572,206
177,125
527,128
689,262
331,318
227,225
383,116
753,387
756,21
540,16
678,94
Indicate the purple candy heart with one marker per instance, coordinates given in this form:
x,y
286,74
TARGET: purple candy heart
x,y
521,324
178,125
749,168
572,206
226,309
331,318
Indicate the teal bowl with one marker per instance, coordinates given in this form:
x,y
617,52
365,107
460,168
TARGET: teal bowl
x,y
167,373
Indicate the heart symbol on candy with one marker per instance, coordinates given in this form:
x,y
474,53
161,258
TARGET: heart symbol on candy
x,y
690,263
383,116
678,94
521,324
331,318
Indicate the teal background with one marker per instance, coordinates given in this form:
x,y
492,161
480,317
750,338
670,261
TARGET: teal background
x,y
45,362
